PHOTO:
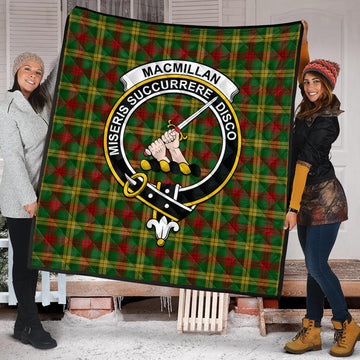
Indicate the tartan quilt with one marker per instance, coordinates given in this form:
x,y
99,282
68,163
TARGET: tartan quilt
x,y
168,154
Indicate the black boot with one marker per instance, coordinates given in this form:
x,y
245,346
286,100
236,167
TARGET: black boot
x,y
38,338
28,328
25,290
27,309
18,328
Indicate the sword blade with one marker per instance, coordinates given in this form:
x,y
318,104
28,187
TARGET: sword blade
x,y
196,114
187,121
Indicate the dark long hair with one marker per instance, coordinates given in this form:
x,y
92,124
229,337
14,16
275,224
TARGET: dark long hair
x,y
306,108
37,98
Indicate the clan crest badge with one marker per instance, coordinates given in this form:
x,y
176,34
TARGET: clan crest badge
x,y
207,95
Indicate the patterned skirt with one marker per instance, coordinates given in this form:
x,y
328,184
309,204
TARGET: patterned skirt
x,y
323,203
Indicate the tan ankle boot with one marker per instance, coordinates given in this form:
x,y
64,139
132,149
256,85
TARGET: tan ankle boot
x,y
346,335
308,338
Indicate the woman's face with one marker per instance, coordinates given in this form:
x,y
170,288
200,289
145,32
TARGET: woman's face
x,y
29,77
313,87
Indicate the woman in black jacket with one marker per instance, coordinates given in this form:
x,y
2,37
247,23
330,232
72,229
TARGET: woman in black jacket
x,y
318,206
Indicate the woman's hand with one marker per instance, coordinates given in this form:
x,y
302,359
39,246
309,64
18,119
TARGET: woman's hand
x,y
290,220
306,28
31,209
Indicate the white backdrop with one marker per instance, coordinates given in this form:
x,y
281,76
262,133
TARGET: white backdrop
x,y
334,33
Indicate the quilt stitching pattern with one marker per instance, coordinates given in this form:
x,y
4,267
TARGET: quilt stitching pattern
x,y
93,215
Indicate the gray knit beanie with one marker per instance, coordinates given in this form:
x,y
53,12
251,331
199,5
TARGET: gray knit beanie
x,y
25,57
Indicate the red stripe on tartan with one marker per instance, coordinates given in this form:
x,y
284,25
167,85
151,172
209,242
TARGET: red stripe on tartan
x,y
195,257
65,137
123,248
100,142
167,182
137,147
246,90
112,76
205,155
199,223
150,49
250,55
265,265
77,70
273,161
60,171
236,193
184,54
71,104
50,239
216,55
116,44
91,209
229,261
275,127
106,109
127,214
96,175
175,118
209,121
270,196
86,244
282,55
233,226
55,205
278,91
243,125
141,114
82,37
268,231
159,252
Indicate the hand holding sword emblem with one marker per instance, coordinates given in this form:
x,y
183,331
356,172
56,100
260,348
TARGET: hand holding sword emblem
x,y
170,141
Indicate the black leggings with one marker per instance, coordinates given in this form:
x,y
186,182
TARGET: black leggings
x,y
24,278
20,231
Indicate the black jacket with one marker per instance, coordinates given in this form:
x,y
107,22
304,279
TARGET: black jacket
x,y
312,142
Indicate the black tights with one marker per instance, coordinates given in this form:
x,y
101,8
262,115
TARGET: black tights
x,y
24,278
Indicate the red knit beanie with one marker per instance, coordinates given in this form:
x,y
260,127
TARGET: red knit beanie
x,y
329,69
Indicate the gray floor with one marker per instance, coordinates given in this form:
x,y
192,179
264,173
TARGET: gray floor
x,y
140,331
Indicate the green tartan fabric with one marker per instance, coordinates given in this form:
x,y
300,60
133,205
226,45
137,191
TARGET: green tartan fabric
x,y
232,238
